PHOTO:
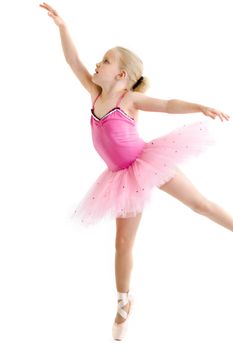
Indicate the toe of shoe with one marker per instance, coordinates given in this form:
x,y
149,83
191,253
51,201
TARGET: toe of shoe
x,y
119,330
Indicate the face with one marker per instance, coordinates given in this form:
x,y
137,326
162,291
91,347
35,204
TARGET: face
x,y
107,70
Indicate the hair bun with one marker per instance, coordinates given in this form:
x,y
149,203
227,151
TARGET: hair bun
x,y
137,82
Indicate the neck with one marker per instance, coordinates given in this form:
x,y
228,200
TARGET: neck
x,y
107,94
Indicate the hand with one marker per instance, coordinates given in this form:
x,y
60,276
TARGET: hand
x,y
213,113
53,13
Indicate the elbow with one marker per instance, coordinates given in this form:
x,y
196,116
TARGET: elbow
x,y
166,107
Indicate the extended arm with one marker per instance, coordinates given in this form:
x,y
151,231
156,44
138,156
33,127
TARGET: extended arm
x,y
146,103
179,106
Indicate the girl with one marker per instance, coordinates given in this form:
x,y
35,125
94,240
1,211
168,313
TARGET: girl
x,y
134,166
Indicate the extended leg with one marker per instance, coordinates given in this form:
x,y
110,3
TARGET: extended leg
x,y
181,188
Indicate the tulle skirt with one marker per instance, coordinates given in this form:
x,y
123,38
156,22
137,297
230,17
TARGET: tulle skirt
x,y
124,193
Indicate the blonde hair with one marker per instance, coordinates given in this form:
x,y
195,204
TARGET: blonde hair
x,y
133,65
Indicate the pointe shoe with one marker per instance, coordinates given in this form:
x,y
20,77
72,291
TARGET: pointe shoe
x,y
119,329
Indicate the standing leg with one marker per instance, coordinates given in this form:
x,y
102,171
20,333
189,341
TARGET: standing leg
x,y
126,229
181,188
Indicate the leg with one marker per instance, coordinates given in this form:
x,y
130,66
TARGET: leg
x,y
181,188
126,229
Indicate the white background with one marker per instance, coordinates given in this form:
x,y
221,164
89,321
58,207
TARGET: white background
x,y
57,279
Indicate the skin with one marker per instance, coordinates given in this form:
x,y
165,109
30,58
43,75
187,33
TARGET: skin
x,y
112,82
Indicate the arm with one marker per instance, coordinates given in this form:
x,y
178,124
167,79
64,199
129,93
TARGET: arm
x,y
179,106
151,104
69,50
68,47
73,59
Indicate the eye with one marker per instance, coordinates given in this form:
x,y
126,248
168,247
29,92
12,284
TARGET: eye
x,y
105,60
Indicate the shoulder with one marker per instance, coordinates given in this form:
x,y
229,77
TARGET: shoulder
x,y
129,104
140,101
132,98
135,97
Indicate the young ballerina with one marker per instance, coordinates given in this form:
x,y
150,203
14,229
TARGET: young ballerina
x,y
134,167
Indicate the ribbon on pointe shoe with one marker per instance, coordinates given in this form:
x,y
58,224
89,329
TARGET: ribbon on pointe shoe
x,y
119,329
123,299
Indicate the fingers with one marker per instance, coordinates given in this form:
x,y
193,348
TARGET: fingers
x,y
223,116
44,6
213,113
220,116
49,8
227,118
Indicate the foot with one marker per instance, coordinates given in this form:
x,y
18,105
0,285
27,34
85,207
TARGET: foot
x,y
119,318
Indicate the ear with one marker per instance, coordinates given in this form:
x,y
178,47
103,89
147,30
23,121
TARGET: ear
x,y
122,75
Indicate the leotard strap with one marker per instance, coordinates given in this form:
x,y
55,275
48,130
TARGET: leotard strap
x,y
95,100
117,105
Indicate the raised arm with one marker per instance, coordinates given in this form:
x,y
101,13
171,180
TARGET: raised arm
x,y
70,52
72,58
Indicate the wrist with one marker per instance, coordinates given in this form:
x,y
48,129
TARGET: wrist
x,y
201,108
62,25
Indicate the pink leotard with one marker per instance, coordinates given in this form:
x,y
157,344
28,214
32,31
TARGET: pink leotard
x,y
115,137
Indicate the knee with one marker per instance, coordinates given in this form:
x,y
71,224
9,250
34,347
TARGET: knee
x,y
202,206
123,244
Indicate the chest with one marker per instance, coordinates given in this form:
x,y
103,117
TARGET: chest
x,y
101,109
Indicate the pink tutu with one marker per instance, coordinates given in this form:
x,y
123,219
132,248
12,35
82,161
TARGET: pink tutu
x,y
125,192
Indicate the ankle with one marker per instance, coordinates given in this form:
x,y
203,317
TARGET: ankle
x,y
123,296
